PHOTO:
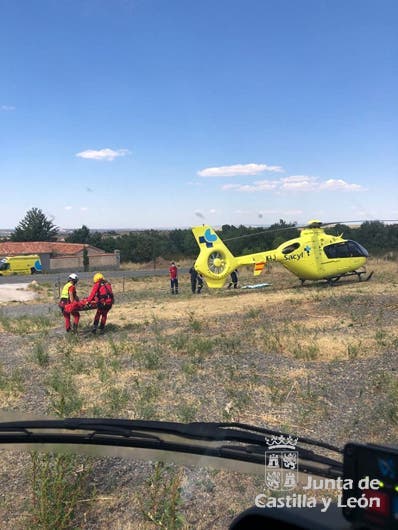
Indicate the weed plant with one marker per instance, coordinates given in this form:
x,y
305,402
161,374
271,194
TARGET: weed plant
x,y
115,399
64,397
11,384
25,324
162,502
58,484
187,412
40,354
145,403
308,352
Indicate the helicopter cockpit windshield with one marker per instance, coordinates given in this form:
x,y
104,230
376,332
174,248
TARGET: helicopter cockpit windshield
x,y
346,249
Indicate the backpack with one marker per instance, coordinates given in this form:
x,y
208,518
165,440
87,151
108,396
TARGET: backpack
x,y
105,295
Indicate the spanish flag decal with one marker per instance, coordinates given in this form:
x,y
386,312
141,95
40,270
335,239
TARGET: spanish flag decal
x,y
258,267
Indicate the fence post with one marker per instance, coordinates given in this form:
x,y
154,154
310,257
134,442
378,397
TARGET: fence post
x,y
86,260
57,283
59,286
117,258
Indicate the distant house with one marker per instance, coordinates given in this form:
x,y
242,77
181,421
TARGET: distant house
x,y
59,256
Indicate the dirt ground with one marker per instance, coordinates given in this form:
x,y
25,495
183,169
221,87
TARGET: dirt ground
x,y
16,292
315,361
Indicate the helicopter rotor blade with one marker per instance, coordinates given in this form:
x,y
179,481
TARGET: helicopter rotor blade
x,y
319,224
266,231
360,222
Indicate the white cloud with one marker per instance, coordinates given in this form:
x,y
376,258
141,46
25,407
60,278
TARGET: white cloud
x,y
298,178
339,184
238,169
68,208
299,183
212,210
102,154
7,108
294,183
231,187
83,209
259,185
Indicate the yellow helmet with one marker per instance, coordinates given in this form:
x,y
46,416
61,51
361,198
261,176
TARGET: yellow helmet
x,y
98,277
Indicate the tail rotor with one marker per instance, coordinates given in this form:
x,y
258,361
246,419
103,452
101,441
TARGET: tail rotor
x,y
217,262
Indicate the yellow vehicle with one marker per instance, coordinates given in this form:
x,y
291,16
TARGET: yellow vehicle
x,y
314,255
29,264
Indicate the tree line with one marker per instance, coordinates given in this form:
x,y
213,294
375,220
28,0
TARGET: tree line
x,y
148,245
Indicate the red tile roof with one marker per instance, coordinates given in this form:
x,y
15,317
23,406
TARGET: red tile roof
x,y
11,248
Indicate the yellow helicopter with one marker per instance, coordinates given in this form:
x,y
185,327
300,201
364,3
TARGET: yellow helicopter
x,y
314,255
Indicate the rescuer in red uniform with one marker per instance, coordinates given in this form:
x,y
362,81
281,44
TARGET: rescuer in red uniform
x,y
101,297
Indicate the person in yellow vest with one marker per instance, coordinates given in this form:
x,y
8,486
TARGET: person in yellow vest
x,y
69,296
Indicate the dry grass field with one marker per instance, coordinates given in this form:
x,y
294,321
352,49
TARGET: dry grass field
x,y
315,361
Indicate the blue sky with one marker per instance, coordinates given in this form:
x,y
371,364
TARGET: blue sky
x,y
155,113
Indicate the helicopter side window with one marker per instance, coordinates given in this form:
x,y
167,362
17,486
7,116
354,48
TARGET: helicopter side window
x,y
290,248
348,249
4,265
331,251
338,250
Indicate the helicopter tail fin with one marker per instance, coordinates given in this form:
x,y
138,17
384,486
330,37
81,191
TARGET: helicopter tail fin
x,y
215,261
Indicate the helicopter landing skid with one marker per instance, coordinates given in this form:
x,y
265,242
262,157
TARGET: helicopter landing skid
x,y
358,274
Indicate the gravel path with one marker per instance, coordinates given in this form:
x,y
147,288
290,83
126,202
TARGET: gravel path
x,y
16,292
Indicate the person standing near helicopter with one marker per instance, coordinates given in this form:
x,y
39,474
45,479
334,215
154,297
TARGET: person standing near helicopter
x,y
234,279
194,278
200,283
173,278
